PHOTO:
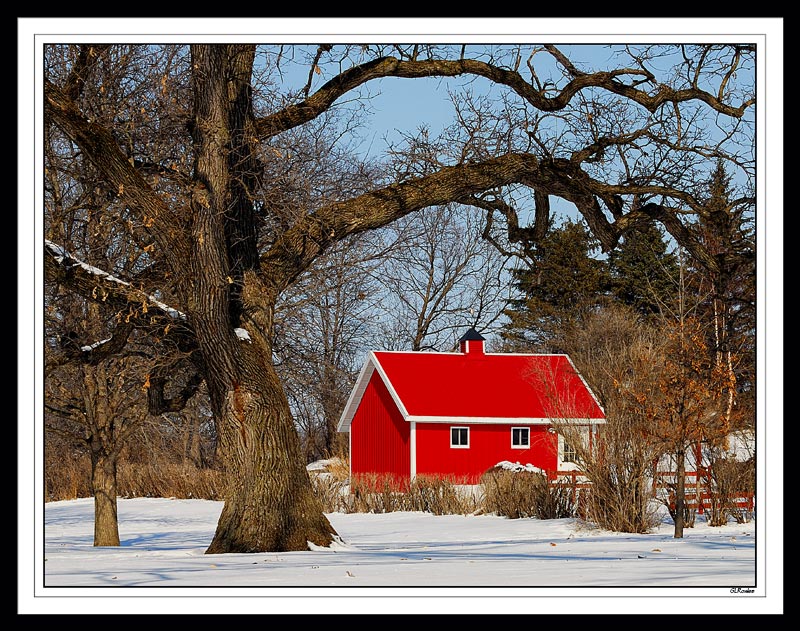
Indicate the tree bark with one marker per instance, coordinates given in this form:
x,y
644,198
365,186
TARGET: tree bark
x,y
269,502
104,488
680,493
103,456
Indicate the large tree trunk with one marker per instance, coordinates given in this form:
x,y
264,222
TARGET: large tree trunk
x,y
269,501
270,504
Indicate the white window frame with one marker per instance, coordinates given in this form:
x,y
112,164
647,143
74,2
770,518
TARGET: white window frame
x,y
568,452
464,427
585,432
527,431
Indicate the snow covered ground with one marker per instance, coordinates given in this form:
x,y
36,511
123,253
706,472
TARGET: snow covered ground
x,y
469,561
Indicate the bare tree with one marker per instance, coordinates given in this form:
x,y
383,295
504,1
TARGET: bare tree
x,y
95,406
439,279
618,458
324,322
182,138
682,393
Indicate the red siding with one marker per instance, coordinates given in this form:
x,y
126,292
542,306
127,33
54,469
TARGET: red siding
x,y
379,436
488,445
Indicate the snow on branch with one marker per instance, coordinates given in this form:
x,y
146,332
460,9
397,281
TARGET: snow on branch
x,y
69,262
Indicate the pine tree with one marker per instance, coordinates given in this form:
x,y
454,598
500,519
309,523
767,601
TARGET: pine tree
x,y
563,284
727,296
644,271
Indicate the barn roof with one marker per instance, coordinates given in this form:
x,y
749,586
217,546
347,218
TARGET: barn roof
x,y
479,387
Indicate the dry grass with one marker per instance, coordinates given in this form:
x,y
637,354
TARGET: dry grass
x,y
169,480
620,507
506,493
374,493
67,477
70,478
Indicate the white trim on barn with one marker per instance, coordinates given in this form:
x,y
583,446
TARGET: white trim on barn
x,y
412,440
370,365
499,420
355,396
585,384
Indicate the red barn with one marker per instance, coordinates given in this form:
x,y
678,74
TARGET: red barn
x,y
459,414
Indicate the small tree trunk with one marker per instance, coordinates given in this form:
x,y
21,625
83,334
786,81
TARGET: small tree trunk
x,y
698,485
191,441
680,493
332,405
104,457
104,488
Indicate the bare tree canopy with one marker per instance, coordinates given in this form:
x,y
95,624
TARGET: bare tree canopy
x,y
197,152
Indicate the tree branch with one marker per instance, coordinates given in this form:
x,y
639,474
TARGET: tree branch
x,y
94,284
295,250
103,151
322,99
157,403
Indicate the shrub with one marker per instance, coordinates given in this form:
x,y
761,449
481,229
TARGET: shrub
x,y
612,505
517,494
437,495
378,493
729,481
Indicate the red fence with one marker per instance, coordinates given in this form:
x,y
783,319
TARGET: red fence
x,y
696,491
697,496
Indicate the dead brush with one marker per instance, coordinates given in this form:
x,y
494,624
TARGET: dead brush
x,y
438,495
728,481
339,468
333,492
67,478
181,481
375,493
520,494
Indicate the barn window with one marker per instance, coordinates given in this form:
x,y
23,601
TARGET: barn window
x,y
570,455
520,437
568,450
459,437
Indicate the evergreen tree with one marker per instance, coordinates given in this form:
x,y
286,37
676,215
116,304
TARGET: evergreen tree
x,y
727,297
643,271
563,284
